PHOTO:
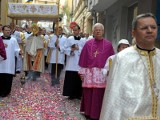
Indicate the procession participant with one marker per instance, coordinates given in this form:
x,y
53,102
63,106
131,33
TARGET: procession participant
x,y
133,88
15,34
2,50
50,34
46,38
57,56
82,35
34,54
122,44
28,32
7,67
87,36
20,37
92,60
15,31
12,25
72,82
24,36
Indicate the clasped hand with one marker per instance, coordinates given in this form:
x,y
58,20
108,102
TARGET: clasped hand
x,y
74,47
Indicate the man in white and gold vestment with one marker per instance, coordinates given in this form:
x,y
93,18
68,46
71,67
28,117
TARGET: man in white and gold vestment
x,y
133,90
34,54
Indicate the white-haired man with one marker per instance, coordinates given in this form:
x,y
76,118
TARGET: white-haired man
x,y
92,60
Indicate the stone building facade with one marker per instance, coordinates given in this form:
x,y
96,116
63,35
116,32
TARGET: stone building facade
x,y
82,16
117,16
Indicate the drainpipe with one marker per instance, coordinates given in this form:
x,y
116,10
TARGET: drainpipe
x,y
94,14
72,12
83,23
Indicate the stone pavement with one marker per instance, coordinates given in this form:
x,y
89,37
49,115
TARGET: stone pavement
x,y
38,100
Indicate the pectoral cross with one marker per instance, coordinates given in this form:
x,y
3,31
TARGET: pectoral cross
x,y
96,53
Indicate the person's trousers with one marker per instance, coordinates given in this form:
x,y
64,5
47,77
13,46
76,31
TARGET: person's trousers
x,y
5,84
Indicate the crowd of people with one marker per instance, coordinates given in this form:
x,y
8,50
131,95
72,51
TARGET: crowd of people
x,y
121,86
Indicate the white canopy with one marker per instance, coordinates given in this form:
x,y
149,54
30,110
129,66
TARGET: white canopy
x,y
32,11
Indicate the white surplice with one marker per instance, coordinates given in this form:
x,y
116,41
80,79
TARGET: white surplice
x,y
27,35
61,55
1,58
72,60
12,50
18,36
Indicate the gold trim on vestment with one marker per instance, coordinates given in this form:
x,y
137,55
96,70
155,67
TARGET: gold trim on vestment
x,y
110,64
22,36
37,60
44,41
145,53
49,51
150,68
145,118
21,45
48,55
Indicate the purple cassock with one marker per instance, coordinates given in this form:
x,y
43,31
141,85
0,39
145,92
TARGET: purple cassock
x,y
2,49
95,53
92,60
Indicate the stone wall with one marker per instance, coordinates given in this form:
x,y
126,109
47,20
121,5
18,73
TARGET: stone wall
x,y
119,16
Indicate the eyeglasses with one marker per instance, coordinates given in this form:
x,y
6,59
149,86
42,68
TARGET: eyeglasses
x,y
144,28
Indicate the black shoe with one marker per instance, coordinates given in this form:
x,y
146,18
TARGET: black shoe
x,y
53,82
71,97
4,95
17,72
79,98
87,117
57,82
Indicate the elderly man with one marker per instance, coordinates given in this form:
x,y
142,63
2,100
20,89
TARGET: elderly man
x,y
92,60
133,87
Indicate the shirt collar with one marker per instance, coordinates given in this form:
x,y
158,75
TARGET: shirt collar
x,y
77,37
4,37
145,52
